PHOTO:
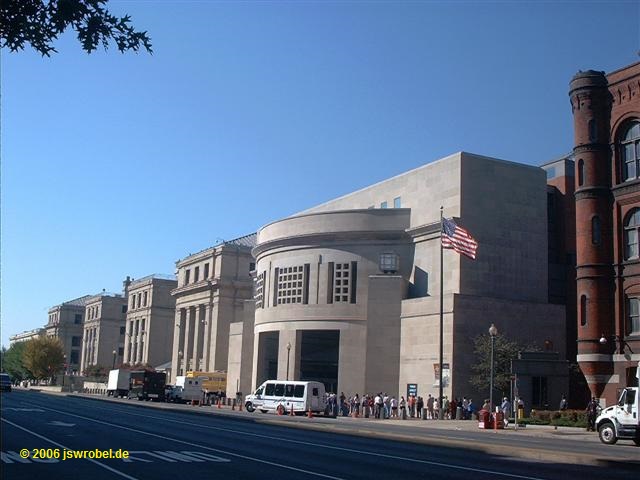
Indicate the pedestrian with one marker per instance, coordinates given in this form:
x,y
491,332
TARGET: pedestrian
x,y
387,405
471,409
506,410
445,408
465,408
420,406
394,407
430,407
377,406
403,408
486,405
412,406
592,410
453,408
436,408
563,403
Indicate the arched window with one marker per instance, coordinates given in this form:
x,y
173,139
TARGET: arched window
x,y
630,152
580,172
596,230
631,234
583,310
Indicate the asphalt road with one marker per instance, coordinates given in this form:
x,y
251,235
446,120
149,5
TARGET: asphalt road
x,y
170,444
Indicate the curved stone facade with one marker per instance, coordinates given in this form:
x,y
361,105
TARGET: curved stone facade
x,y
314,273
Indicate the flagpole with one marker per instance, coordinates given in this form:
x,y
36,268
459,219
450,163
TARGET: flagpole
x,y
441,317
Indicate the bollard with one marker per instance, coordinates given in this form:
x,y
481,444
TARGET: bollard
x,y
309,414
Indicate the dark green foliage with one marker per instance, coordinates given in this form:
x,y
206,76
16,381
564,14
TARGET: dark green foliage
x,y
96,372
39,22
13,362
505,350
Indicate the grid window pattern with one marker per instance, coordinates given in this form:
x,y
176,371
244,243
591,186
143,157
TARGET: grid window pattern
x,y
259,295
290,284
342,282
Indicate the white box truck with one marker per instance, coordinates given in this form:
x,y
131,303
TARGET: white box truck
x,y
622,420
118,384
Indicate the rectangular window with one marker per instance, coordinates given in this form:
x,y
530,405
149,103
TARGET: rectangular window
x,y
75,357
124,309
288,390
305,292
252,266
270,389
121,351
633,320
144,299
298,392
187,273
397,202
206,271
279,390
196,274
77,319
122,330
383,205
133,302
76,341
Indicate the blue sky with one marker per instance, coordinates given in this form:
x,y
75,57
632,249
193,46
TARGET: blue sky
x,y
116,165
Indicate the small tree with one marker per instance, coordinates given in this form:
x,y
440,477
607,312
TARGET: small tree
x,y
43,357
13,362
504,351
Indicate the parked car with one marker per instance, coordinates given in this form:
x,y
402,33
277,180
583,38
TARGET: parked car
x,y
5,382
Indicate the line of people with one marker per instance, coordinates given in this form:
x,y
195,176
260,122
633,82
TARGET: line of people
x,y
385,406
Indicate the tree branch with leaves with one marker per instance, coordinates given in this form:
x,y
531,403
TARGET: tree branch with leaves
x,y
39,22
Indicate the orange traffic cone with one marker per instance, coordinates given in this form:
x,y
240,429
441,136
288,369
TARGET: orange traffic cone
x,y
309,414
219,403
280,410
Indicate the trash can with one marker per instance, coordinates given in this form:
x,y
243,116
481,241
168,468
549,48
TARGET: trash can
x,y
499,419
424,413
459,413
484,419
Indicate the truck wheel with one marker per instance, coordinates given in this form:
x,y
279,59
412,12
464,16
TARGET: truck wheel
x,y
250,408
607,433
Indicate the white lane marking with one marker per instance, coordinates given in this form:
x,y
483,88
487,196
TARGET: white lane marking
x,y
244,457
331,447
117,472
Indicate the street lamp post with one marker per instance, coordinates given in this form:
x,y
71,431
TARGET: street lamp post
x,y
114,360
493,331
179,366
288,355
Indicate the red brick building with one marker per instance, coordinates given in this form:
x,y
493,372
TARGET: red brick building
x,y
606,109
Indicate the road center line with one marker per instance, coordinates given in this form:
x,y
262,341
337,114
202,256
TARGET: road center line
x,y
117,472
332,447
164,437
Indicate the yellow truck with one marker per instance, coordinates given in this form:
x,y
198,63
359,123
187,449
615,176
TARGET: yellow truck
x,y
214,384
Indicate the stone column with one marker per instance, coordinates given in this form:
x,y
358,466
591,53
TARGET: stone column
x,y
207,337
187,349
178,328
196,337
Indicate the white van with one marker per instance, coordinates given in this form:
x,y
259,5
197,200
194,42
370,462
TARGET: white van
x,y
281,395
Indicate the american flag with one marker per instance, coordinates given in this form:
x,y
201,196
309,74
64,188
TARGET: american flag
x,y
458,239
